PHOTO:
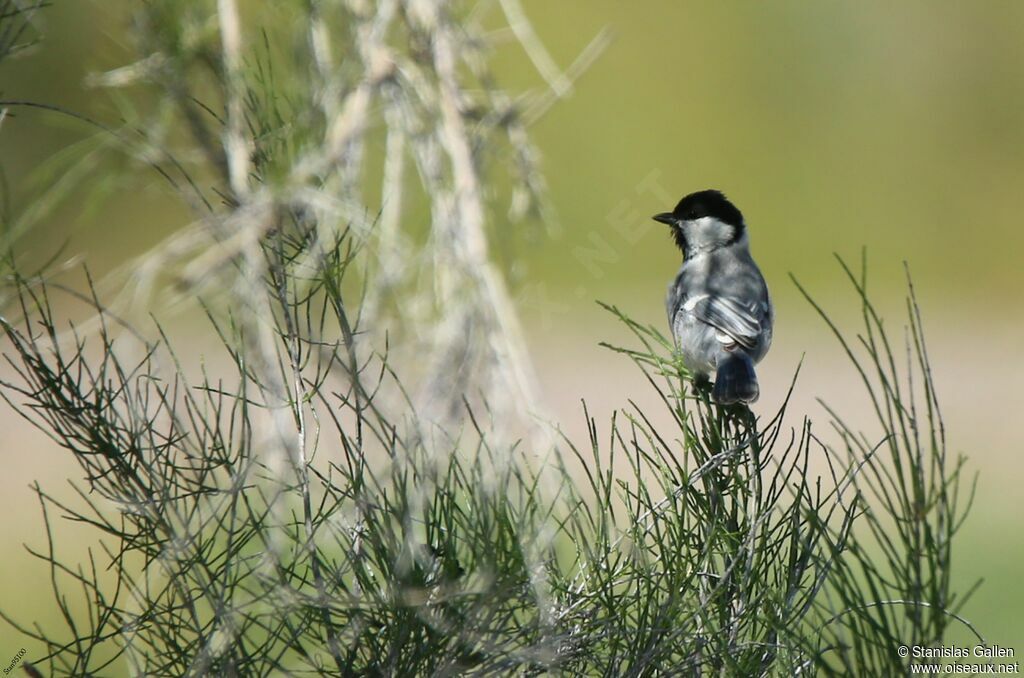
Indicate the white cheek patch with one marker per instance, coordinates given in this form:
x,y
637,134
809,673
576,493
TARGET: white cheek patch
x,y
708,232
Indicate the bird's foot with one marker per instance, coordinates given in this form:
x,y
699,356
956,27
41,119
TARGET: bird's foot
x,y
702,385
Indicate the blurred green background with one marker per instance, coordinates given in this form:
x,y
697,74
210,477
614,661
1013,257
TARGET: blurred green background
x,y
896,127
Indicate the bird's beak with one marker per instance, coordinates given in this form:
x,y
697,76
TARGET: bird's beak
x,y
665,218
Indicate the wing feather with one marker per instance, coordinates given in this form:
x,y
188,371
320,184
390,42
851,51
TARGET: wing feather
x,y
728,316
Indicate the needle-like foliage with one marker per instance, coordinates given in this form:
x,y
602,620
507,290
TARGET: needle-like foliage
x,y
290,507
387,547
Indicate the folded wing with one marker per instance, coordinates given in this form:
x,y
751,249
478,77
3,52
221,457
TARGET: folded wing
x,y
731,318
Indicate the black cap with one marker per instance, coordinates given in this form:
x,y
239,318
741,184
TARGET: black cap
x,y
709,203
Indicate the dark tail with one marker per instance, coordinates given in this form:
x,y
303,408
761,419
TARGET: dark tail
x,y
735,380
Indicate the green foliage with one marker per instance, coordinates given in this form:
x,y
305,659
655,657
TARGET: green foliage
x,y
16,32
286,516
388,548
893,585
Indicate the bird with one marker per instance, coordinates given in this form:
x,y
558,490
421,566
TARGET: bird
x,y
718,305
